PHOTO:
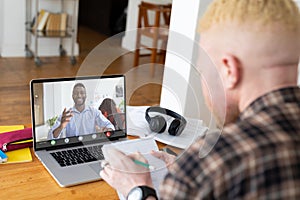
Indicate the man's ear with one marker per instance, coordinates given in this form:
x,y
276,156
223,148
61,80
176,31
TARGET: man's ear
x,y
231,71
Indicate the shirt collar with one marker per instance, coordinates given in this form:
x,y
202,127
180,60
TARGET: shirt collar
x,y
85,109
276,97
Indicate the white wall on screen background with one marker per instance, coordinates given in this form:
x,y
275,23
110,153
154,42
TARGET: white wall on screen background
x,y
59,96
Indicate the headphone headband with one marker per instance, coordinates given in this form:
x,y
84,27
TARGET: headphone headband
x,y
163,111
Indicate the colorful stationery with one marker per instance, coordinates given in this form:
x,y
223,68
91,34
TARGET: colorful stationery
x,y
20,155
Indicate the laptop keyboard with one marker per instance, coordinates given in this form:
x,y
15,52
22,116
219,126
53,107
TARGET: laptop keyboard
x,y
78,156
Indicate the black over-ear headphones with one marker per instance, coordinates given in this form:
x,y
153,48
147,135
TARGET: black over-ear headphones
x,y
158,123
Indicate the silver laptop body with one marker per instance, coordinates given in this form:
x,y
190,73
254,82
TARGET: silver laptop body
x,y
49,97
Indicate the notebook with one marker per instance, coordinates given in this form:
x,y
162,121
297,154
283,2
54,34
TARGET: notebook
x,y
72,118
144,146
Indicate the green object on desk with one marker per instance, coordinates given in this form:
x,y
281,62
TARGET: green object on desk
x,y
146,165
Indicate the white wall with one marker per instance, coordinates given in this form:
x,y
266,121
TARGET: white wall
x,y
13,30
13,17
59,95
298,2
1,24
181,90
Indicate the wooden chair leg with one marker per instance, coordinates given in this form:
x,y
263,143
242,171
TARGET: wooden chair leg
x,y
136,57
154,52
153,60
137,49
162,57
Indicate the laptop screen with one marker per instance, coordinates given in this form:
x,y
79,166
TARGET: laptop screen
x,y
77,111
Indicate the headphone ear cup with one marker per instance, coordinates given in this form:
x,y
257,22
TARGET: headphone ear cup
x,y
174,128
157,124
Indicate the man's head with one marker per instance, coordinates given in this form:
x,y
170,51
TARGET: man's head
x,y
79,94
255,48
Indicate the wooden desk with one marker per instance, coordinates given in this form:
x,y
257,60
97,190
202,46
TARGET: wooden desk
x,y
32,181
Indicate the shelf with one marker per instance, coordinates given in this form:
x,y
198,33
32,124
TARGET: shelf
x,y
50,24
51,34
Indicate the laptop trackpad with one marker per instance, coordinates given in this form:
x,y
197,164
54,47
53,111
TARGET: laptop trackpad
x,y
96,167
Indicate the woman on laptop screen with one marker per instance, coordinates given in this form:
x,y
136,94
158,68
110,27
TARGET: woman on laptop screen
x,y
110,110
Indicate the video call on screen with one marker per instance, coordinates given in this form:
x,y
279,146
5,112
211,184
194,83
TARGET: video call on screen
x,y
50,99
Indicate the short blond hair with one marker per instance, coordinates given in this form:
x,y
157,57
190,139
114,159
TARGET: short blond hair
x,y
259,12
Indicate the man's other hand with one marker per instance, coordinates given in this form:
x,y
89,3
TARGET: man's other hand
x,y
164,156
120,171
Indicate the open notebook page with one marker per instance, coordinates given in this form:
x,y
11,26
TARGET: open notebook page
x,y
144,146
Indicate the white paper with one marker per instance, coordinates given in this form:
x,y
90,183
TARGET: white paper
x,y
144,146
193,130
138,126
136,122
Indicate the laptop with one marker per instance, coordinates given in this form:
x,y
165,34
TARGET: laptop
x,y
69,128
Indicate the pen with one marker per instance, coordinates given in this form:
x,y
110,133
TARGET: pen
x,y
143,164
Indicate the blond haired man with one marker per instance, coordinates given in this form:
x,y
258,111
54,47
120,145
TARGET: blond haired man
x,y
255,46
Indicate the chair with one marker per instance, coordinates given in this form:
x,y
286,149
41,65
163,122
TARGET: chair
x,y
158,31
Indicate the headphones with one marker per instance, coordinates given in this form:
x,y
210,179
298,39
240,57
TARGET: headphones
x,y
158,123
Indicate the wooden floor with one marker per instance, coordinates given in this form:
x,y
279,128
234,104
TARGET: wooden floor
x,y
16,73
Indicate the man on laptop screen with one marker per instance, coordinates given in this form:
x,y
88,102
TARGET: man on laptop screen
x,y
80,119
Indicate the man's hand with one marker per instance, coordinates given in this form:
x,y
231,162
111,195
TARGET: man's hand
x,y
120,172
65,118
167,158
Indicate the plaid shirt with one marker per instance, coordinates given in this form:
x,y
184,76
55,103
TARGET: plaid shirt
x,y
257,157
